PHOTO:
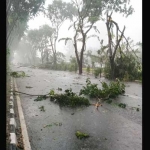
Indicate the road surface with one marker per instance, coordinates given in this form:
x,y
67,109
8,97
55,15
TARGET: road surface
x,y
110,128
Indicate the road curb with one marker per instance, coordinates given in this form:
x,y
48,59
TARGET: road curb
x,y
12,121
25,136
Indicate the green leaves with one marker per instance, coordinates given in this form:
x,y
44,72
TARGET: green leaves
x,y
18,74
122,105
69,99
18,12
59,11
121,6
90,89
110,91
40,40
81,135
97,72
93,19
42,108
51,92
40,98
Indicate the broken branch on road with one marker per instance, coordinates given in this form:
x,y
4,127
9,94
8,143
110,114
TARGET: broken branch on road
x,y
18,74
71,99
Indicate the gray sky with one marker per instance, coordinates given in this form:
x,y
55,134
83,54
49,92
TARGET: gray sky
x,y
133,26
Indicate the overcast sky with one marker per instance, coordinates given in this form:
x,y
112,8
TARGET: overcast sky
x,y
133,26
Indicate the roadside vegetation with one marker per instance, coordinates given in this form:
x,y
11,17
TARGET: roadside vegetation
x,y
119,58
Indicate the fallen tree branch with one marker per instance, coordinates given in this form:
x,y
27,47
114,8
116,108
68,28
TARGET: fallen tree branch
x,y
28,94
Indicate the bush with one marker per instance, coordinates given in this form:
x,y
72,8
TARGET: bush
x,y
126,68
88,69
97,72
73,67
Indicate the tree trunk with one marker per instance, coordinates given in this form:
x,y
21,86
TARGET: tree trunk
x,y
47,56
81,55
81,62
78,61
101,71
77,57
55,60
112,65
42,56
80,67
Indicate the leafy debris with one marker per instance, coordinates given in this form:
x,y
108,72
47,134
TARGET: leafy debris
x,y
122,105
59,89
109,101
50,125
42,108
55,123
51,92
18,74
69,98
29,87
81,135
40,98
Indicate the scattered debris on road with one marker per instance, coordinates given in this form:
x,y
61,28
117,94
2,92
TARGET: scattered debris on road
x,y
18,74
50,125
29,87
59,89
122,105
55,123
136,108
69,98
109,101
40,98
42,108
81,135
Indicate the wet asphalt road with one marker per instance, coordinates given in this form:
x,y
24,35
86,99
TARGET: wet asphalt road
x,y
110,128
